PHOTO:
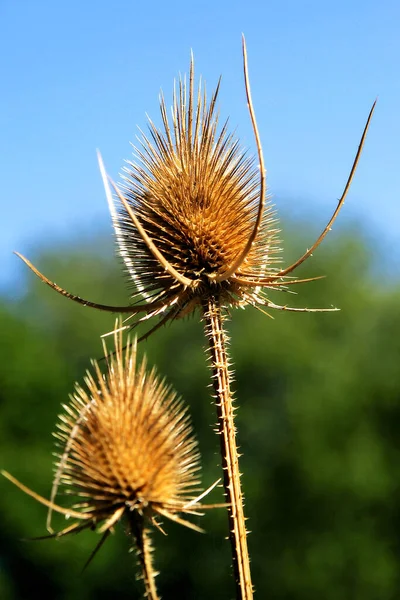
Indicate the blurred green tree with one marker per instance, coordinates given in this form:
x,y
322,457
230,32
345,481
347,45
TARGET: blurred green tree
x,y
319,398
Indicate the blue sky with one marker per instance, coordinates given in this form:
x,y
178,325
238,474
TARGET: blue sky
x,y
77,76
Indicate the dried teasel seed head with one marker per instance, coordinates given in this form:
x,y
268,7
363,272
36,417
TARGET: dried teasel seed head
x,y
192,218
127,450
196,193
127,441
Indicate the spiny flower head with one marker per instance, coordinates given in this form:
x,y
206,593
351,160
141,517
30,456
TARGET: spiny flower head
x,y
195,193
193,219
127,449
127,441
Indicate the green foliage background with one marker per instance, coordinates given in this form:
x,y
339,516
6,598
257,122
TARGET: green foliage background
x,y
318,425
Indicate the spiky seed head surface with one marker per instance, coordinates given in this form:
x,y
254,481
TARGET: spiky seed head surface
x,y
196,193
127,451
126,442
194,222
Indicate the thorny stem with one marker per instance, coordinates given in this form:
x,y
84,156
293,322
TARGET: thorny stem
x,y
230,459
144,551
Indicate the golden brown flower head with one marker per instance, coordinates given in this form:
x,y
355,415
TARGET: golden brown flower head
x,y
127,447
198,199
194,221
127,442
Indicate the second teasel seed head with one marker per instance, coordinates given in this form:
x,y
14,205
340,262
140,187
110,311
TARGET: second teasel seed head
x,y
127,451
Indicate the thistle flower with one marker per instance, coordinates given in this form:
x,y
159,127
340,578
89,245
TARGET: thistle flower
x,y
127,452
194,219
195,229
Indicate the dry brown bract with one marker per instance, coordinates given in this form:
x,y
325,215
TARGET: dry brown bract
x,y
194,220
127,451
